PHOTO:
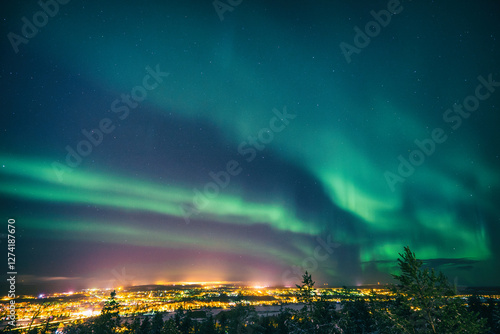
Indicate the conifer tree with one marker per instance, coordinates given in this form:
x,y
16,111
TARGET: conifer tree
x,y
109,320
157,323
424,302
306,290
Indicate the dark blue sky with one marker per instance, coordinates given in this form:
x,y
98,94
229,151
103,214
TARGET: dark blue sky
x,y
166,141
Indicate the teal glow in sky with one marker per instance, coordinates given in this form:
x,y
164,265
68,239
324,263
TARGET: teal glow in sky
x,y
162,140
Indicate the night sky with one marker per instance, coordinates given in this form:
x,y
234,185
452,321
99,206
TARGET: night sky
x,y
161,141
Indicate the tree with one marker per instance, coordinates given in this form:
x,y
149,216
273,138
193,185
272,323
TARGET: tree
x,y
157,323
317,316
325,316
281,321
47,324
145,326
36,314
223,321
109,320
186,324
208,326
356,317
111,306
169,327
135,326
493,315
243,319
424,302
475,304
496,320
306,290
81,327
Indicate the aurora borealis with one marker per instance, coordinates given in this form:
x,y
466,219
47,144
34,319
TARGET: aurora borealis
x,y
157,140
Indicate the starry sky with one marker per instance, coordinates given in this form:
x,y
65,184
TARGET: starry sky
x,y
244,141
